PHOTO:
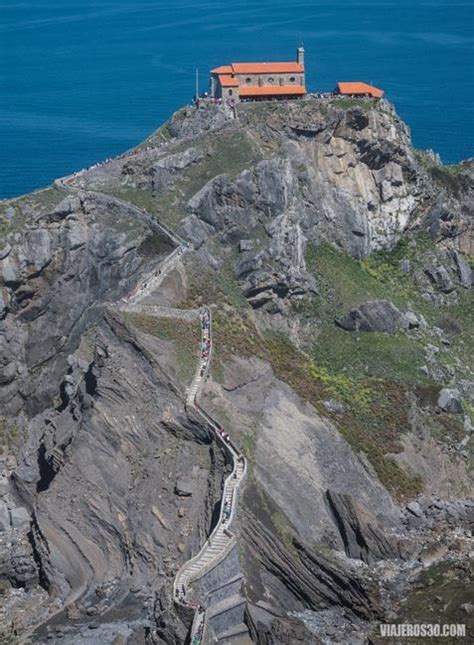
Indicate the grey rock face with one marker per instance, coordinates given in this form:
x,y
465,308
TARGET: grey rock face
x,y
440,277
464,270
180,160
184,488
377,315
52,285
362,536
450,400
19,517
245,245
415,509
334,406
91,473
4,517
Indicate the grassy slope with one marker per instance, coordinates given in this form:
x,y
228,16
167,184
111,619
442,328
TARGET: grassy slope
x,y
438,596
16,213
373,374
183,334
229,153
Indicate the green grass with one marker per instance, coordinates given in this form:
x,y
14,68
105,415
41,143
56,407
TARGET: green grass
x,y
375,354
162,135
438,596
345,103
11,435
15,222
376,415
346,283
40,202
378,276
204,285
229,154
185,336
248,442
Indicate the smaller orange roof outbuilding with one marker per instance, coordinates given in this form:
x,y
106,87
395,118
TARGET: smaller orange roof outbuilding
x,y
357,87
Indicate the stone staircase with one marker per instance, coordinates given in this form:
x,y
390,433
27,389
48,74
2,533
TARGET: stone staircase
x,y
221,540
226,611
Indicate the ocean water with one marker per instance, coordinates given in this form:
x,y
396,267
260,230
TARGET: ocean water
x,y
83,80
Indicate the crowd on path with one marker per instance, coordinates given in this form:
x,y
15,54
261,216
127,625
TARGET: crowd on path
x,y
152,277
232,481
124,155
229,493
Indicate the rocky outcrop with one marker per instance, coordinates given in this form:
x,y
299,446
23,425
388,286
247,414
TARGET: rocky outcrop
x,y
463,269
450,218
63,267
268,627
115,484
361,533
450,400
92,481
299,577
378,315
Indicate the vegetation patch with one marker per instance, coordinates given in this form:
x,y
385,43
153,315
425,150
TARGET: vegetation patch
x,y
229,154
16,213
184,334
376,414
219,287
11,435
347,103
442,591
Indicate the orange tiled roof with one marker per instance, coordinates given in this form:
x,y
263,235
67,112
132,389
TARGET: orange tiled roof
x,y
357,87
223,69
267,68
271,90
228,81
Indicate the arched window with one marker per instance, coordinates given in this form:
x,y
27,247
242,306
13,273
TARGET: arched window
x,y
292,79
248,79
230,92
270,80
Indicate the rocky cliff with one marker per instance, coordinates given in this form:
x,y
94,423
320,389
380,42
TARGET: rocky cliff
x,y
336,260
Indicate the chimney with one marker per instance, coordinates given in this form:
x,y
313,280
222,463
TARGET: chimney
x,y
300,55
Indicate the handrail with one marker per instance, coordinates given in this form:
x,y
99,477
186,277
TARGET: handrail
x,y
222,523
199,624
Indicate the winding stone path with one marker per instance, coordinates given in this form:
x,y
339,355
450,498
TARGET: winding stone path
x,y
221,540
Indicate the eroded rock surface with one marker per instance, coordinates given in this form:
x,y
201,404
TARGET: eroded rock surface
x,y
108,484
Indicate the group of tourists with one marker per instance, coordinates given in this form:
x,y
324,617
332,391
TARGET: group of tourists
x,y
213,100
197,637
224,435
181,597
205,320
227,510
124,155
206,339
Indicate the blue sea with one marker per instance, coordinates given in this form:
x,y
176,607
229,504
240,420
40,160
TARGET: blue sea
x,y
84,80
